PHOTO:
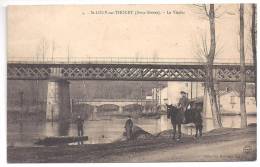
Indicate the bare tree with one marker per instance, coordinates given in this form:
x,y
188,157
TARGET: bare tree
x,y
44,47
68,52
253,40
210,54
53,50
242,70
41,51
210,61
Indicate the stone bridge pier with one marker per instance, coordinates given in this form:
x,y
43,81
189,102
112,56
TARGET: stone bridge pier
x,y
58,98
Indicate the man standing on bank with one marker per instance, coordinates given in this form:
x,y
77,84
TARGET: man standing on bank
x,y
80,123
183,104
129,128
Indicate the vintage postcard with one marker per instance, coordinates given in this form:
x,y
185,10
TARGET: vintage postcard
x,y
131,83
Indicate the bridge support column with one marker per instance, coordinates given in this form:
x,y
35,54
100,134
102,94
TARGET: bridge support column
x,y
58,100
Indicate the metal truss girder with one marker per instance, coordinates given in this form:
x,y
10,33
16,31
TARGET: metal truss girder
x,y
137,72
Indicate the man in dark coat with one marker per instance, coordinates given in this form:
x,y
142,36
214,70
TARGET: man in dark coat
x,y
80,123
129,128
183,104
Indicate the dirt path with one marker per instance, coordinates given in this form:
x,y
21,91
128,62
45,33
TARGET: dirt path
x,y
218,145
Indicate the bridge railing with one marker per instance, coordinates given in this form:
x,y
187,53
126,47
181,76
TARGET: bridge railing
x,y
120,60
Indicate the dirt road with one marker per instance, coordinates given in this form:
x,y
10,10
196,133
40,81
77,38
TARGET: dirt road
x,y
218,145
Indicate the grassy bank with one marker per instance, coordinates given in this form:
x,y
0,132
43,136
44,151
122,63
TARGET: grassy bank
x,y
224,144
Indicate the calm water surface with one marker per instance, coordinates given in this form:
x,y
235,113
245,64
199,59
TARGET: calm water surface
x,y
102,128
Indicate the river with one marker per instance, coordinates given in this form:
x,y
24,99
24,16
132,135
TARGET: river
x,y
103,128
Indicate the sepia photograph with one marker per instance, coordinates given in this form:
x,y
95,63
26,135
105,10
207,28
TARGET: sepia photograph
x,y
131,83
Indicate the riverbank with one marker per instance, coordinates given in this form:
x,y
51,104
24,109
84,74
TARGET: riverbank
x,y
224,144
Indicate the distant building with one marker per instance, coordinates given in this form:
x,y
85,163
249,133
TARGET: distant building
x,y
164,95
193,89
149,97
229,101
170,94
228,96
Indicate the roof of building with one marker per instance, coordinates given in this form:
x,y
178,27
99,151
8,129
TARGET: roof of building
x,y
236,93
225,88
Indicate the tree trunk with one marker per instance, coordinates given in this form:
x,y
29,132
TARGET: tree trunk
x,y
253,36
210,61
242,70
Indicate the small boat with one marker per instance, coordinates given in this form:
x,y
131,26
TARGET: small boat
x,y
60,140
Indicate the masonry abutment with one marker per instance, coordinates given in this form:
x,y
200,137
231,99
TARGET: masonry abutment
x,y
58,100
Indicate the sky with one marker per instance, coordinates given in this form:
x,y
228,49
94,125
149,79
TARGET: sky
x,y
74,31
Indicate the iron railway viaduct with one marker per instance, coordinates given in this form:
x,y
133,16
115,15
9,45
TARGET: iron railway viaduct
x,y
59,75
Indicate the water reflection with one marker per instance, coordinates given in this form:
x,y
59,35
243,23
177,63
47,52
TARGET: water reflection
x,y
63,128
101,128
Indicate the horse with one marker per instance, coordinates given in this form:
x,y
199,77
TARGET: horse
x,y
192,115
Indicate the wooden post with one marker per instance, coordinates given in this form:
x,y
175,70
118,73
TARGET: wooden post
x,y
21,102
190,90
21,98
